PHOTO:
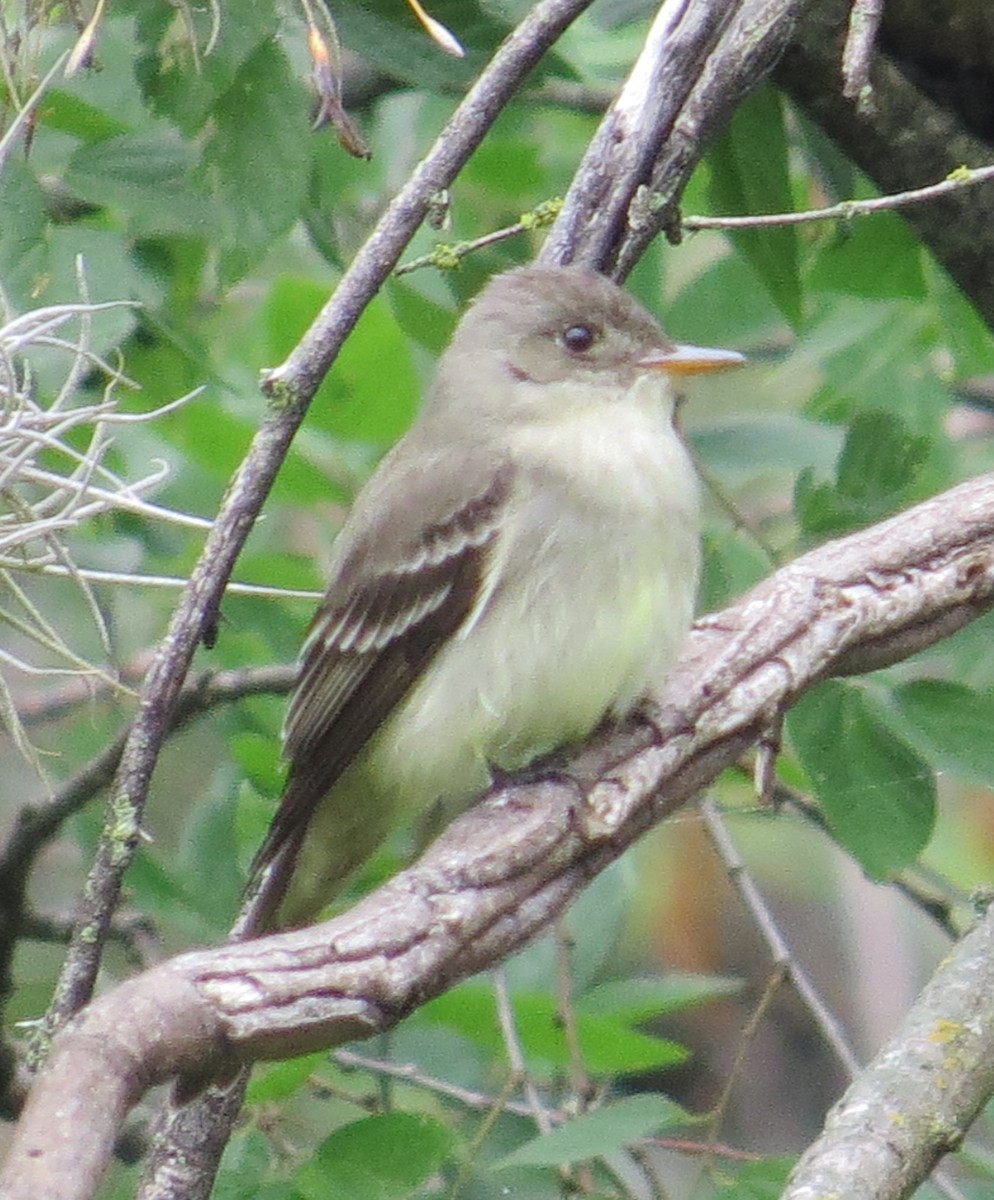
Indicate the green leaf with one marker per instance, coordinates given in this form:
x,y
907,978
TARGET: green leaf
x,y
637,1000
763,1180
951,723
422,320
110,275
725,304
880,460
836,175
253,815
146,178
256,160
877,793
879,470
876,256
749,175
967,334
732,564
210,436
595,923
280,1080
608,1045
158,889
246,1167
872,355
258,761
379,1158
786,441
207,853
72,115
131,161
22,230
283,568
507,163
182,84
602,1132
372,389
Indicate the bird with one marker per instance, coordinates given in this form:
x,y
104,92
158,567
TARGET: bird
x,y
522,565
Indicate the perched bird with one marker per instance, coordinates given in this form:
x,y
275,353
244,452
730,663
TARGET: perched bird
x,y
521,565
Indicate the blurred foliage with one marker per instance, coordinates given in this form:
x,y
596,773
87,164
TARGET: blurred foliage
x,y
190,182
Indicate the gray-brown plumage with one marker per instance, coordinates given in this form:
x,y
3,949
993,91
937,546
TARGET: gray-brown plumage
x,y
521,564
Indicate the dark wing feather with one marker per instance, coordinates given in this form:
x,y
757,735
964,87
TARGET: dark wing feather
x,y
370,641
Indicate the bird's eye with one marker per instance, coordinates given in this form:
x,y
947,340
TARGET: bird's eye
x,y
577,339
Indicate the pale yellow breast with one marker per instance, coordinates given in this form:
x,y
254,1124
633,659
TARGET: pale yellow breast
x,y
592,593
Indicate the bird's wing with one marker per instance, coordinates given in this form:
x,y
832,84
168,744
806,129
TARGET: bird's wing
x,y
402,589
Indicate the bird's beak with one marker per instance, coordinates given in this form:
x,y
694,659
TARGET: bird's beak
x,y
690,360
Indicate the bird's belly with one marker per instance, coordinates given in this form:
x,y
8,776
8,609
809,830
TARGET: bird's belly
x,y
587,635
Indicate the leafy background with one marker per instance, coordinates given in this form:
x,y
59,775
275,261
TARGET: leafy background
x,y
191,183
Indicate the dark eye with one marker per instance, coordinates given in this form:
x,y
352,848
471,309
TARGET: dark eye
x,y
578,338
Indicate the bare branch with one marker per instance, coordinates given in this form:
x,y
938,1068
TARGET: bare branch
x,y
864,21
697,62
917,1098
780,952
500,873
875,136
846,210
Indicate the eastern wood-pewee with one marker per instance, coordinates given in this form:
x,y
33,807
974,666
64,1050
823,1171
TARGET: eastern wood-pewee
x,y
522,564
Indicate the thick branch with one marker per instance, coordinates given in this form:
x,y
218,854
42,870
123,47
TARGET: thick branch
x,y
918,1097
697,63
754,39
499,874
901,139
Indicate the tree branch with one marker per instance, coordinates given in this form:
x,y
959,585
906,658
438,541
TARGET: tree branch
x,y
754,39
501,872
917,1098
697,63
875,135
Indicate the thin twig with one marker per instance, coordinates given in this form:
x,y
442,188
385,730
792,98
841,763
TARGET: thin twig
x,y
566,1014
515,1053
483,1101
412,1074
481,1135
778,948
774,983
448,256
846,210
24,115
864,21
129,579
